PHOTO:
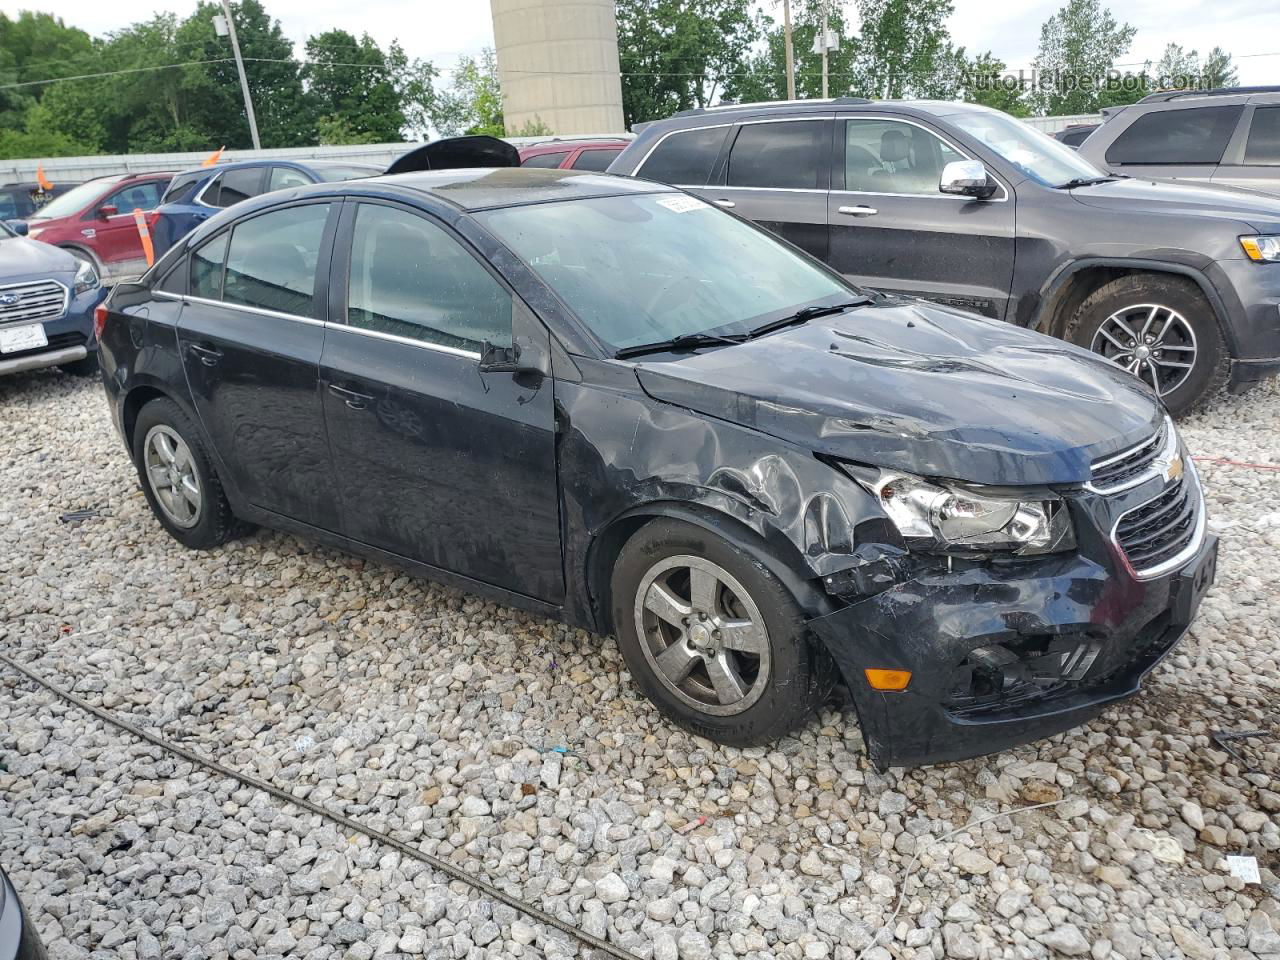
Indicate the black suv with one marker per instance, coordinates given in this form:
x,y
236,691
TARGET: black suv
x,y
967,206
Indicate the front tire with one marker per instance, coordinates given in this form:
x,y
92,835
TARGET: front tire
x,y
178,478
1161,329
713,638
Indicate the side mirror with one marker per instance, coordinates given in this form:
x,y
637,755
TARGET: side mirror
x,y
495,359
108,210
966,178
17,226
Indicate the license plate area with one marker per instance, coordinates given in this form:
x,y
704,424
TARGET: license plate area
x,y
28,336
1195,582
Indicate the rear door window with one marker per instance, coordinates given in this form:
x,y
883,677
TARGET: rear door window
x,y
1263,148
684,158
551,160
181,184
1193,135
781,154
595,159
272,260
234,186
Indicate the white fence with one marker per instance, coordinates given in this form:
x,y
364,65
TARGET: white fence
x,y
76,169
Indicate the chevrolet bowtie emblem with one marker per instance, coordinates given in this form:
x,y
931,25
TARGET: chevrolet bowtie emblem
x,y
1174,470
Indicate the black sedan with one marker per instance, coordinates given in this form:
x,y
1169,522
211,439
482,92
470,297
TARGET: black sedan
x,y
18,938
611,402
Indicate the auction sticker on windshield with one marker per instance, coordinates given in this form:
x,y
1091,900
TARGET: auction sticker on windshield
x,y
683,204
29,336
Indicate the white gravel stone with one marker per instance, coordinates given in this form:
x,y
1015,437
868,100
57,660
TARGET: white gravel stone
x,y
440,717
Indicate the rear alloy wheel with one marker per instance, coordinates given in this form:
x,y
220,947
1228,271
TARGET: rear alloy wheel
x,y
1161,329
178,478
713,638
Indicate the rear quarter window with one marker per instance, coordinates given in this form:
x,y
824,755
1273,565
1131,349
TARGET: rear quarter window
x,y
1194,135
546,160
685,157
1263,148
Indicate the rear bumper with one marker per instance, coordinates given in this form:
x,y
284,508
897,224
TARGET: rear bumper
x,y
1001,657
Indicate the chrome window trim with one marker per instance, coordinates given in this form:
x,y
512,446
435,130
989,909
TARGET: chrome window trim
x,y
327,324
395,338
66,298
766,189
635,171
893,118
1186,553
199,197
1159,463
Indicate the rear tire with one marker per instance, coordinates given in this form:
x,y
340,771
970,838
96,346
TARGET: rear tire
x,y
178,478
745,634
1180,325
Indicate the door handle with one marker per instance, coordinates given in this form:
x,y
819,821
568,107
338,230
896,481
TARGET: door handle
x,y
354,400
724,203
861,210
207,355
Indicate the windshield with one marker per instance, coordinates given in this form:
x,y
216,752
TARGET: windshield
x,y
332,173
640,269
73,201
1038,156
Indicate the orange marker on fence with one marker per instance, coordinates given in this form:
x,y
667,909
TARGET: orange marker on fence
x,y
144,235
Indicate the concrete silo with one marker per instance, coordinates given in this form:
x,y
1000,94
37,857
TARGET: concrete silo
x,y
558,63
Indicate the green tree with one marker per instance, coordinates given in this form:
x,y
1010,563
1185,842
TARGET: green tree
x,y
1079,45
414,82
214,103
763,74
473,102
351,84
1218,70
678,54
906,51
986,81
1178,69
36,46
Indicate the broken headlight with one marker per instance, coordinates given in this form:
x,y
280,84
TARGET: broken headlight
x,y
956,518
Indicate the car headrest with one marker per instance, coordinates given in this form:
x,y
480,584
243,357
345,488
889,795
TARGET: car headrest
x,y
894,146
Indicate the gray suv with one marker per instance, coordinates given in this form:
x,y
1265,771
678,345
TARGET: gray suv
x,y
1223,137
966,206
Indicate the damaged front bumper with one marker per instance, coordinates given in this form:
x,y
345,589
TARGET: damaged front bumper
x,y
1002,655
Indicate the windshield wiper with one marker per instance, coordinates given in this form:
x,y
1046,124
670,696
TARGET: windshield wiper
x,y
807,313
683,341
1084,182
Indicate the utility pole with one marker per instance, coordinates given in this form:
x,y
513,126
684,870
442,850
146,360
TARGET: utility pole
x,y
791,60
244,81
825,35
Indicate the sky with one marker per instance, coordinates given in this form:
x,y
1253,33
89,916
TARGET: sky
x,y
442,30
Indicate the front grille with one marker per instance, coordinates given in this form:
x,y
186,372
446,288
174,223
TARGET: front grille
x,y
1160,530
32,302
59,341
1130,467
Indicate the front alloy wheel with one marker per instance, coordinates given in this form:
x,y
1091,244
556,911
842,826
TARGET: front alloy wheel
x,y
712,636
703,635
1153,342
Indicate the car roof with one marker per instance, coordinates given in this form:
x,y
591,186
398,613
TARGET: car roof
x,y
729,112
480,188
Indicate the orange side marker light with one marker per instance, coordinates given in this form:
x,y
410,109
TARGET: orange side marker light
x,y
894,680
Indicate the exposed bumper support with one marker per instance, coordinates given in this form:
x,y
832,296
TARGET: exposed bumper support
x,y
1002,656
37,361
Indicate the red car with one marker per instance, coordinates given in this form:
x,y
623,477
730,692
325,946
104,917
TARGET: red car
x,y
95,221
573,154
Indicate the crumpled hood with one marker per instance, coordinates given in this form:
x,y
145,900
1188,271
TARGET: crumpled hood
x,y
923,389
24,259
1183,199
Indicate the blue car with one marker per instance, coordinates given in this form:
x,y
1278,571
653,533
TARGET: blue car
x,y
196,195
47,301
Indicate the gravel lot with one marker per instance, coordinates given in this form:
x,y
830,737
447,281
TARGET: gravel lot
x,y
435,716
